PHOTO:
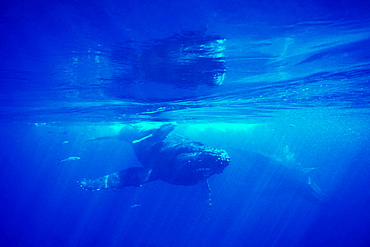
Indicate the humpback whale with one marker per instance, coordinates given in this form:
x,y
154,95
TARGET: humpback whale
x,y
269,175
164,156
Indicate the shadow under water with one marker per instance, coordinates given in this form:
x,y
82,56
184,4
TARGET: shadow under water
x,y
183,65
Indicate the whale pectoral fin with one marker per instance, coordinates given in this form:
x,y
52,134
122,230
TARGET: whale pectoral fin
x,y
108,181
134,176
142,139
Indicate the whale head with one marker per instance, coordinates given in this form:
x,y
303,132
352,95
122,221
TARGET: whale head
x,y
194,167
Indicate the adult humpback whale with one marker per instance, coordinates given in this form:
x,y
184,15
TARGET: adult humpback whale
x,y
170,158
268,175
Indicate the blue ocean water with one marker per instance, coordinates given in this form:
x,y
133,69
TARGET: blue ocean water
x,y
286,79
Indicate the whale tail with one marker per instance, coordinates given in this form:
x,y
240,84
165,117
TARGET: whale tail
x,y
134,176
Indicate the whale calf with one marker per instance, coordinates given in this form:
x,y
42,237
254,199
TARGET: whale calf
x,y
164,156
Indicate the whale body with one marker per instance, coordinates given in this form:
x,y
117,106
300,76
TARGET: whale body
x,y
164,156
